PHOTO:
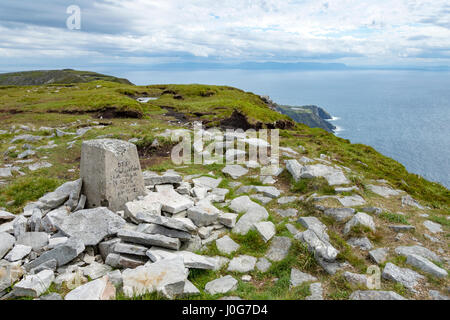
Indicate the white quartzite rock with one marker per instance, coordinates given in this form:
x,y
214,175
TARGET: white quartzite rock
x,y
111,173
266,229
100,289
167,277
221,285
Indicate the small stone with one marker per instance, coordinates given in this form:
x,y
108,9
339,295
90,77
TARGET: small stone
x,y
263,264
426,265
340,214
285,200
246,278
266,229
6,243
96,270
298,278
355,278
360,218
436,295
279,248
316,291
149,239
235,171
402,228
128,248
18,253
407,277
124,261
227,245
433,227
363,243
222,285
379,255
285,213
375,295
352,201
243,263
227,219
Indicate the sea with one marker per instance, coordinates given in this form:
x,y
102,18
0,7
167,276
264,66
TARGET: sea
x,y
404,115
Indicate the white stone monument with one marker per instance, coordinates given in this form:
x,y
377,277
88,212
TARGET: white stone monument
x,y
111,173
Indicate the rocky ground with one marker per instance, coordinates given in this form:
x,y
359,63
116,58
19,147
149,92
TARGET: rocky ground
x,y
312,230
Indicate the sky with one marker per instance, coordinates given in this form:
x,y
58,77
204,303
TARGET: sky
x,y
137,34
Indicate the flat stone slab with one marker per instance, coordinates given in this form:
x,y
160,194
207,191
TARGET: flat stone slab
x,y
222,285
375,295
417,250
92,225
204,213
6,216
358,219
383,191
170,200
352,201
96,270
298,277
286,213
401,227
362,243
263,199
355,278
316,291
228,219
319,245
167,277
18,253
190,259
152,178
129,248
207,182
157,229
409,201
433,227
426,265
100,289
379,255
132,208
6,243
235,171
407,277
68,190
149,239
243,263
182,224
340,214
227,245
279,248
270,192
285,200
266,229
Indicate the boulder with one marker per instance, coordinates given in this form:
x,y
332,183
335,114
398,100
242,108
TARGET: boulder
x,y
92,225
111,173
362,219
34,285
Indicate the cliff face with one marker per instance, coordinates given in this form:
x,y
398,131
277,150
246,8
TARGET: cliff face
x,y
312,116
39,77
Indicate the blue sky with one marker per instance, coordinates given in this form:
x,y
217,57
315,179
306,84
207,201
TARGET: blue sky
x,y
143,33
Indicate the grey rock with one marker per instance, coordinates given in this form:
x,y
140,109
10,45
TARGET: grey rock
x,y
26,137
167,277
227,245
270,192
433,227
379,255
152,178
207,182
190,289
5,172
107,247
373,210
407,277
158,229
34,285
128,248
340,214
402,228
124,261
417,250
242,263
426,265
171,223
58,197
36,240
63,253
285,213
20,226
352,201
6,216
203,214
111,173
92,225
48,265
266,229
259,197
100,289
355,278
360,218
436,295
132,208
375,295
39,165
285,200
6,243
149,239
235,171
319,245
253,213
409,201
18,253
279,248
222,285
263,264
227,219
54,219
315,225
171,201
298,278
383,191
51,297
362,243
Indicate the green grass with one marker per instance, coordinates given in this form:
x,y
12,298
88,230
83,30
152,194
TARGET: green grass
x,y
394,217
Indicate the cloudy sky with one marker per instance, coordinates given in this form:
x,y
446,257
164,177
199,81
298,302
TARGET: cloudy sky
x,y
137,33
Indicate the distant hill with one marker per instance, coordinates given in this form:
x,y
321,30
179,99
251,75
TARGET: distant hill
x,y
39,77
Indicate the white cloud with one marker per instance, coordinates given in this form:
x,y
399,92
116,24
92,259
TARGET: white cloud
x,y
353,31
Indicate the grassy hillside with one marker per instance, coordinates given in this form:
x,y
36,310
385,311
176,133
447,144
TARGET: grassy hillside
x,y
54,76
